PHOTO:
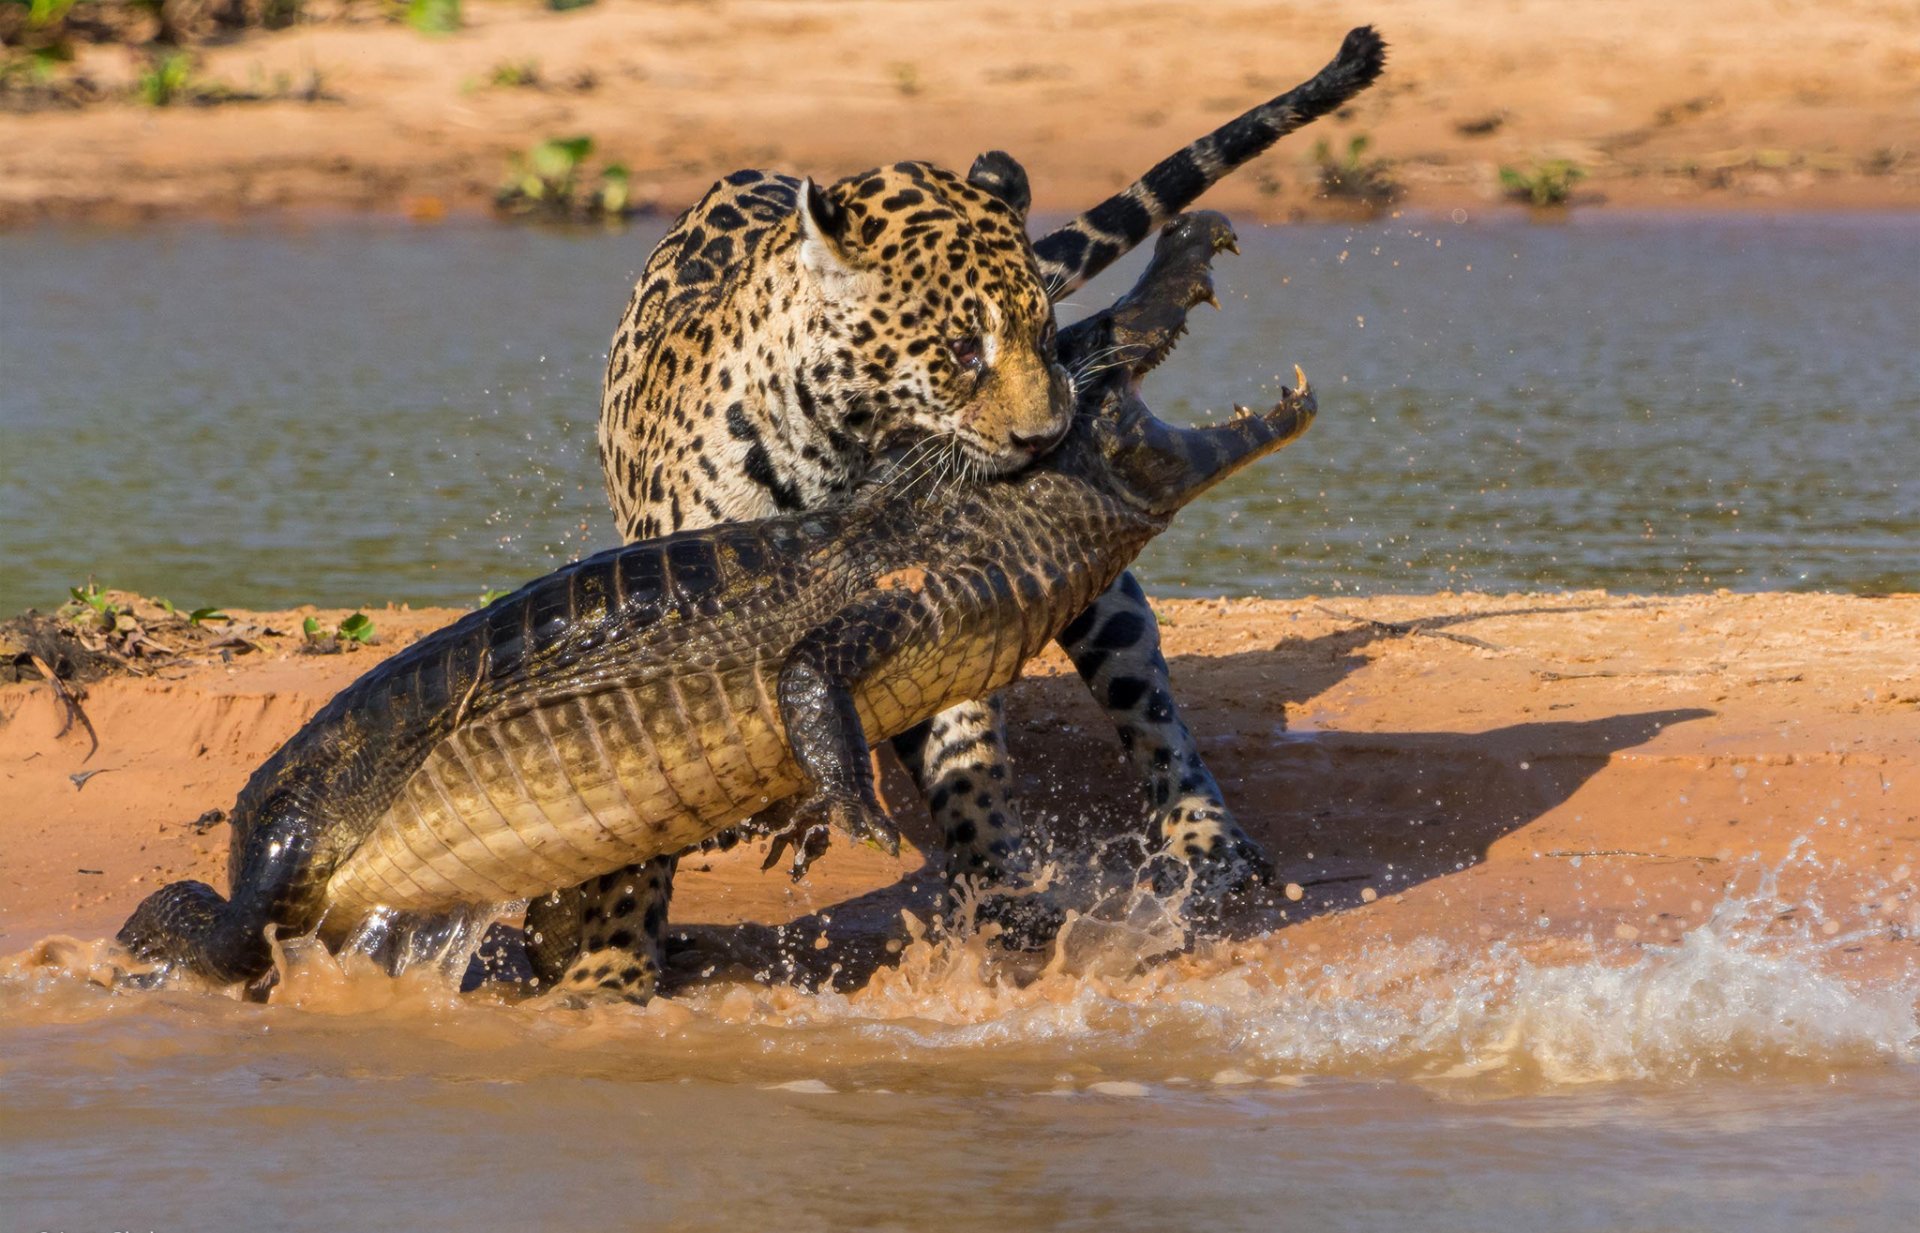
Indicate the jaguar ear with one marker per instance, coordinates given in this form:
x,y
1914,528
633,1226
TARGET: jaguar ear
x,y
823,230
998,173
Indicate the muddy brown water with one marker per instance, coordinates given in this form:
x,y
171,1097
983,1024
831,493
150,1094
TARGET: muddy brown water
x,y
1734,1080
368,412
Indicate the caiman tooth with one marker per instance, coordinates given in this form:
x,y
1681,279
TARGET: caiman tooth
x,y
1154,357
1300,386
1241,413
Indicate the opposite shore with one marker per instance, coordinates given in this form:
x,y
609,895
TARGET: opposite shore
x,y
1731,105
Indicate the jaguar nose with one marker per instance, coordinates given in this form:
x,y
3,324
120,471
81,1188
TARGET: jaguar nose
x,y
1039,442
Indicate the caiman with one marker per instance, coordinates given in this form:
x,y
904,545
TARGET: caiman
x,y
644,699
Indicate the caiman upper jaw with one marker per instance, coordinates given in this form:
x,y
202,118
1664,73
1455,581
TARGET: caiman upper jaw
x,y
1184,252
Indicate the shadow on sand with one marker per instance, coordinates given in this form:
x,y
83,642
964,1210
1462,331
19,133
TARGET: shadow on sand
x,y
1337,811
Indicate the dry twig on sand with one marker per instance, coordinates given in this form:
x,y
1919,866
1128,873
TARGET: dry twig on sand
x,y
1410,627
70,706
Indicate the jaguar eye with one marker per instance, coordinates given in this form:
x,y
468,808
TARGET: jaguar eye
x,y
1048,336
966,351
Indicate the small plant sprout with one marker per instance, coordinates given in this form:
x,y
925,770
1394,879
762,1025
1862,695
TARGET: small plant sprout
x,y
492,593
1547,185
1352,176
200,616
43,38
356,628
355,631
514,74
91,607
613,198
547,182
167,79
434,16
548,173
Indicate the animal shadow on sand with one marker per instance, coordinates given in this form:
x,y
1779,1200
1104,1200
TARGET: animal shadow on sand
x,y
1338,811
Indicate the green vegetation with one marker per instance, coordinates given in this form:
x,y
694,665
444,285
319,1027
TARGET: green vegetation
x,y
547,182
550,172
91,608
1547,185
356,630
39,39
434,16
199,616
514,74
168,78
562,6
615,196
492,593
1352,176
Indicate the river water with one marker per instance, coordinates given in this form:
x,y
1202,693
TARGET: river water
x,y
361,412
1735,1080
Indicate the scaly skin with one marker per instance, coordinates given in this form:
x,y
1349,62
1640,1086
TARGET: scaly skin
x,y
640,701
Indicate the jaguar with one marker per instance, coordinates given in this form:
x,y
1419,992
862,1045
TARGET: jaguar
x,y
786,335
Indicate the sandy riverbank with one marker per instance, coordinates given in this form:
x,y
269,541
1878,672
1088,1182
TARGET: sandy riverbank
x,y
1718,104
1588,766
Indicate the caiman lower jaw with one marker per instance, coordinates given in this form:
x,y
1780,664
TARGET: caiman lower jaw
x,y
1301,391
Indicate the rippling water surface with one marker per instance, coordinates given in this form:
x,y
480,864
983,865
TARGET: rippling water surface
x,y
366,411
1736,1080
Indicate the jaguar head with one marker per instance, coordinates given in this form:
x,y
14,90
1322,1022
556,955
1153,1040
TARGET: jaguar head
x,y
939,324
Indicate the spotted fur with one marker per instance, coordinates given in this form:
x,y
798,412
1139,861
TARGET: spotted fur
x,y
784,336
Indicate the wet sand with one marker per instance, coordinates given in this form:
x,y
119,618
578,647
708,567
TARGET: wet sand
x,y
1720,104
1554,772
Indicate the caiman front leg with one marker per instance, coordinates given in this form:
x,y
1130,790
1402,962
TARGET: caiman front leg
x,y
817,706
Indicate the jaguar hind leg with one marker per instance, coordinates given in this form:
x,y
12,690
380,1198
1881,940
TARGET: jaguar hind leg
x,y
617,924
552,929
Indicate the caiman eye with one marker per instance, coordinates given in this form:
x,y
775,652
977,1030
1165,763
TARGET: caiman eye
x,y
966,352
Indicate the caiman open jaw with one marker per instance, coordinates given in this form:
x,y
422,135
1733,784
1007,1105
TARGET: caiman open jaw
x,y
1147,327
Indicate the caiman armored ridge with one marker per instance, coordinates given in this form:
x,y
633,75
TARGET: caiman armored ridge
x,y
642,700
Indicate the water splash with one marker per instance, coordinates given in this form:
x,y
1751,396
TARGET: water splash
x,y
1736,995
